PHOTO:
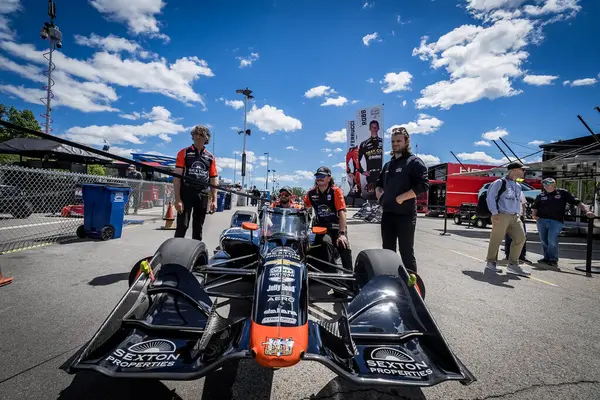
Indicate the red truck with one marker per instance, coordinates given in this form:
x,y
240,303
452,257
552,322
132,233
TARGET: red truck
x,y
452,190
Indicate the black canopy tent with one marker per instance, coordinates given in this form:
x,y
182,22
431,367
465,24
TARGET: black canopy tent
x,y
41,148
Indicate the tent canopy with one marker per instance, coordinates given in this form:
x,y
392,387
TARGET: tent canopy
x,y
38,148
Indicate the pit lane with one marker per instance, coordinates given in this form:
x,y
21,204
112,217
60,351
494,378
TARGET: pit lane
x,y
522,338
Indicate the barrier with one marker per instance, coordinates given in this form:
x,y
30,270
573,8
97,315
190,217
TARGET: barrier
x,y
588,256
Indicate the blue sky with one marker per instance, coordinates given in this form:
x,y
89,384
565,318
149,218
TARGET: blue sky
x,y
141,73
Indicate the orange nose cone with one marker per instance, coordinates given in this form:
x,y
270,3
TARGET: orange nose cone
x,y
278,347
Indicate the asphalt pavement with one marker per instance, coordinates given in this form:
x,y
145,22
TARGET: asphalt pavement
x,y
523,338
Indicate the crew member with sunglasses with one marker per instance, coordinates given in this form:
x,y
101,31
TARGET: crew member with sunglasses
x,y
327,201
198,163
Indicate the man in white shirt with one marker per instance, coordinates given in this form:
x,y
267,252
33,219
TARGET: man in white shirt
x,y
508,240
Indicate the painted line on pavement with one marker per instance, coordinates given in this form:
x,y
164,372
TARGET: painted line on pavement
x,y
504,268
30,225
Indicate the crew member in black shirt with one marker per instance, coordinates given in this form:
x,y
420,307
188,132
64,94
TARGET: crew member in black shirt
x,y
198,163
402,179
329,206
549,210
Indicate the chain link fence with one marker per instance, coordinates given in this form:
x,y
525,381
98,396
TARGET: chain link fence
x,y
40,206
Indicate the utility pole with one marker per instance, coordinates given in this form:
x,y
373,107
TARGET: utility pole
x,y
54,35
247,95
267,178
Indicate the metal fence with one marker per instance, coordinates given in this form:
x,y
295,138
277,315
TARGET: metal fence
x,y
40,206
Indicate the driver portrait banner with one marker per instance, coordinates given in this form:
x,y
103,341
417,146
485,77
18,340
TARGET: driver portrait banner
x,y
368,127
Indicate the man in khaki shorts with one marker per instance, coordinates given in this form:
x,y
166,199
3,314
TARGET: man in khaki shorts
x,y
505,210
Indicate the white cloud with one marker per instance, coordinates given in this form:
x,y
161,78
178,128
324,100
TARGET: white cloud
x,y
355,101
367,5
7,7
172,80
340,165
289,148
495,134
403,103
161,124
336,136
319,91
270,119
536,142
396,82
236,104
338,102
247,61
424,124
480,157
371,80
482,143
232,163
138,15
539,80
429,159
569,7
581,82
337,150
327,150
110,43
297,176
367,39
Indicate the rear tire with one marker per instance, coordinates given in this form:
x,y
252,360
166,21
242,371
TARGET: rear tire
x,y
457,220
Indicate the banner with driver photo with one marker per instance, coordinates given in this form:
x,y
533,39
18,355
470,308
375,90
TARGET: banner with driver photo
x,y
368,128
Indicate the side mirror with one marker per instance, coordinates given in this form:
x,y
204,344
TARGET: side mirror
x,y
250,226
319,230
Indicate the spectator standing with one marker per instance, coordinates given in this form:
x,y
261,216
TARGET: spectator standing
x,y
549,212
508,240
402,179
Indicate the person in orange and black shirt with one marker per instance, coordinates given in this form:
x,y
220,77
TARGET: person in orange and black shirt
x,y
198,163
329,205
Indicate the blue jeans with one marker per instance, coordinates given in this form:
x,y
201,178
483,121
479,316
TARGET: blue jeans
x,y
549,230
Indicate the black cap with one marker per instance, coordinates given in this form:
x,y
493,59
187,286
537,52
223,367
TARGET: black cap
x,y
323,170
515,165
286,189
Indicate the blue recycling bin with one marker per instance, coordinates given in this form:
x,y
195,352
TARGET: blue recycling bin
x,y
220,201
103,211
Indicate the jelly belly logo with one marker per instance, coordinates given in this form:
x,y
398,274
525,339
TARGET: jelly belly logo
x,y
155,353
390,361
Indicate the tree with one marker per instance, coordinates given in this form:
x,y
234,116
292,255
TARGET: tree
x,y
298,191
24,118
95,169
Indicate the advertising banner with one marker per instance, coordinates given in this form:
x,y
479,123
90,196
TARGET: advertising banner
x,y
368,127
352,175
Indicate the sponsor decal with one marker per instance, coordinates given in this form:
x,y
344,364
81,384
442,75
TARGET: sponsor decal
x,y
198,169
282,252
283,320
281,279
155,353
278,346
282,261
288,299
119,197
282,274
391,361
282,311
283,287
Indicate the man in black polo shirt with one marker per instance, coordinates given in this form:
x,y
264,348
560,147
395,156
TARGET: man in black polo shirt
x,y
198,163
402,179
549,211
327,201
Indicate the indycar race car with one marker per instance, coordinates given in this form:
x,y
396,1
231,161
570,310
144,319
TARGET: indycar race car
x,y
186,314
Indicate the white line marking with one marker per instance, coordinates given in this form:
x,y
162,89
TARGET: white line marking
x,y
30,225
466,255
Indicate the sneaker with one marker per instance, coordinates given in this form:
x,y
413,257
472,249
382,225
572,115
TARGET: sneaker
x,y
525,260
517,270
543,261
553,263
492,267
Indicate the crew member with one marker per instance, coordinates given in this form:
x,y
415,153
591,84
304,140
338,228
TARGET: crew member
x,y
506,207
371,150
284,201
327,201
402,179
198,163
549,211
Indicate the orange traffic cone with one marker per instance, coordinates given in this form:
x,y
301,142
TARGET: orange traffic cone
x,y
169,217
4,281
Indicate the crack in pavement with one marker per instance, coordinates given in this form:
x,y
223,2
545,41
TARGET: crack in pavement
x,y
336,393
535,386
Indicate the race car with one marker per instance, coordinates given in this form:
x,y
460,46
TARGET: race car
x,y
186,313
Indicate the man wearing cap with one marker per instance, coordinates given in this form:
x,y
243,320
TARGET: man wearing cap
x,y
549,211
198,163
504,202
402,179
327,201
285,195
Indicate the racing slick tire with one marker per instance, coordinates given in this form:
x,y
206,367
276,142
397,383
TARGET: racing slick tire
x,y
377,262
188,253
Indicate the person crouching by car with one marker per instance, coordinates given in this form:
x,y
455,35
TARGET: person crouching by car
x,y
402,179
549,212
329,206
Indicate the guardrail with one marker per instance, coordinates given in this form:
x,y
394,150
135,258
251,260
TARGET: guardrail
x,y
39,206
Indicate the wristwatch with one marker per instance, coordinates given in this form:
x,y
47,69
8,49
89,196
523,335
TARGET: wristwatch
x,y
342,233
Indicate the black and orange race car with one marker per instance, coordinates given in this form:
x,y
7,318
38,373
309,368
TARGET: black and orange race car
x,y
187,314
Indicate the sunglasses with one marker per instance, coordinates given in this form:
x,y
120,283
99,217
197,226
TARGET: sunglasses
x,y
321,176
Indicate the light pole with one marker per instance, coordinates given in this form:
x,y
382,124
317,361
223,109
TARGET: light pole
x,y
247,95
273,179
54,35
267,178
